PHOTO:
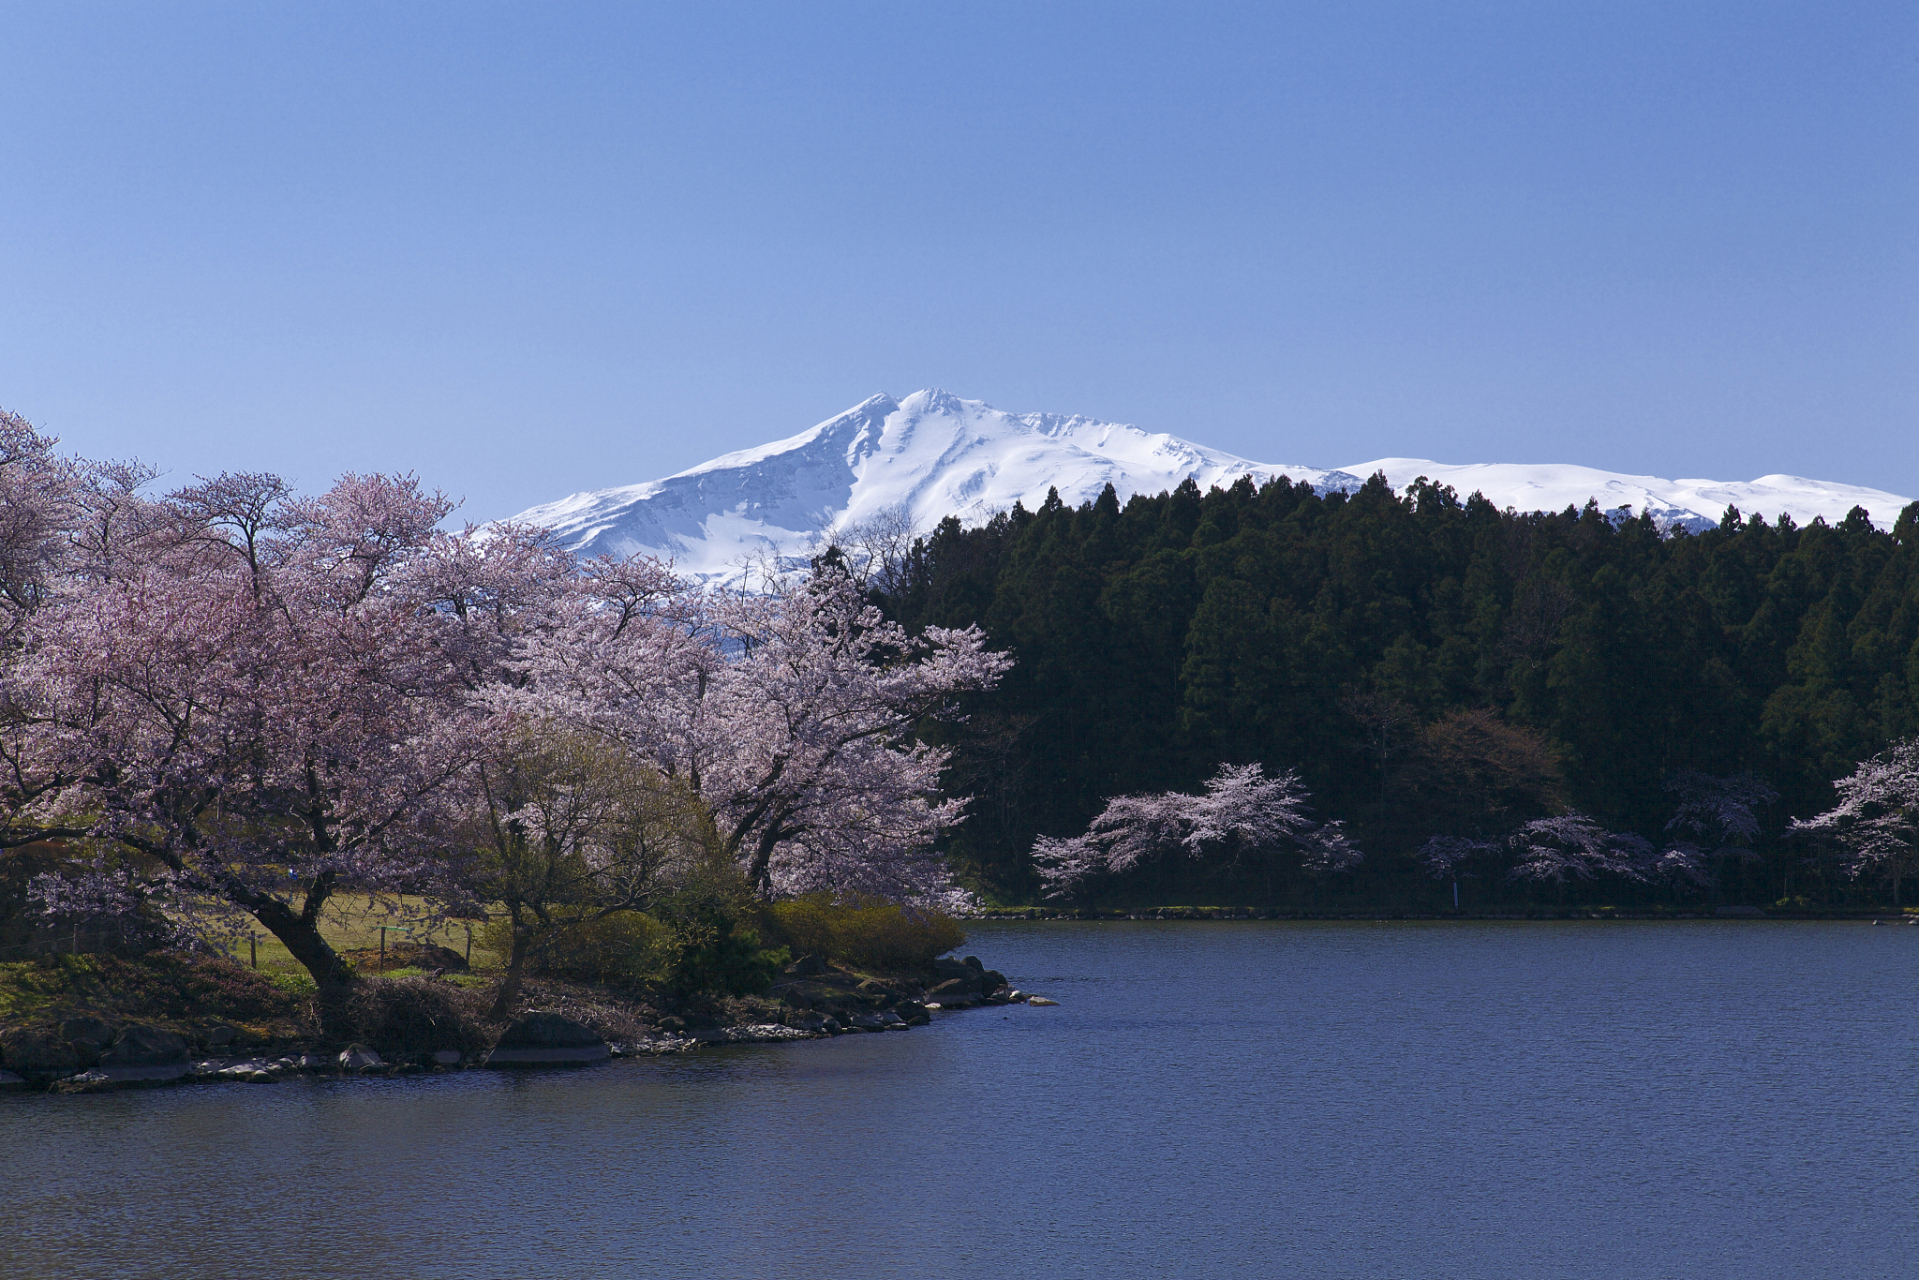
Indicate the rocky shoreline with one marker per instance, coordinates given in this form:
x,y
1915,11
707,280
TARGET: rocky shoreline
x,y
812,1000
1724,912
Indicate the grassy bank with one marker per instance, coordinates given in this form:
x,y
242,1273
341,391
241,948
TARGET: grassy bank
x,y
418,994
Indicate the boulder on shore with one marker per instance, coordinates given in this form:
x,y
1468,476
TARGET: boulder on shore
x,y
358,1058
139,1045
547,1039
87,1037
42,1051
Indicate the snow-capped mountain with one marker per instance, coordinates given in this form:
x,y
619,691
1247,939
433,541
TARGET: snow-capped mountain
x,y
1686,504
932,454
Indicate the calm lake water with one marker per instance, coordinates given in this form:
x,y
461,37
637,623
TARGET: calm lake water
x,y
1210,1099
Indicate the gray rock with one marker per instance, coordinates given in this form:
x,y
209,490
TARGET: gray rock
x,y
547,1039
10,1082
1730,910
548,1031
251,1070
446,1057
220,1037
654,1047
757,1033
38,1051
142,1046
570,1056
358,1058
87,1034
105,1078
1041,1000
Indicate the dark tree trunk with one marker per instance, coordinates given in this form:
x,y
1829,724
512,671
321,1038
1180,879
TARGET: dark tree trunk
x,y
299,932
508,994
760,874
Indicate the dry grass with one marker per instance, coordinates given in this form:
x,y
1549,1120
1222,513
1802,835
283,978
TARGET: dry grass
x,y
355,925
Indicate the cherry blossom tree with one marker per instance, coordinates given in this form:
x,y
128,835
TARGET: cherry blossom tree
x,y
790,713
1456,858
1716,824
1574,847
38,504
1877,818
1241,814
259,715
248,703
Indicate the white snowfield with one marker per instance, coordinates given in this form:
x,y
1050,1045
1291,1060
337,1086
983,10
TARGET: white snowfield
x,y
931,455
1688,504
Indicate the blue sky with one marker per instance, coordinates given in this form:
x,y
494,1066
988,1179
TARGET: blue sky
x,y
526,250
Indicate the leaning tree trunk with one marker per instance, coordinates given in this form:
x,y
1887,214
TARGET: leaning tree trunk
x,y
299,932
508,993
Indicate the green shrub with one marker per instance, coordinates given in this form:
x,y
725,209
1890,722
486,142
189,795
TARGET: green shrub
x,y
869,934
296,982
723,959
628,948
698,943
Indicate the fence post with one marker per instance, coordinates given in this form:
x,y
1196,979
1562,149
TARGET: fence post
x,y
253,948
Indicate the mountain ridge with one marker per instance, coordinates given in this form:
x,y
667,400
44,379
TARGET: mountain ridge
x,y
932,454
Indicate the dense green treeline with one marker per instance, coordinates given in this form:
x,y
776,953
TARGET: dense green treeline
x,y
1429,665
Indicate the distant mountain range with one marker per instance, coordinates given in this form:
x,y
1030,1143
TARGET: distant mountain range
x,y
931,455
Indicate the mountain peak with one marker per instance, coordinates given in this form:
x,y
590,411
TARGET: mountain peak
x,y
932,454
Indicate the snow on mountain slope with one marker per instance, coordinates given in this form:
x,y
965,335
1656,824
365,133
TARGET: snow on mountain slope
x,y
931,455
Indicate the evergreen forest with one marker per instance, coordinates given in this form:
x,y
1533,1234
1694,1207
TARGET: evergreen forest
x,y
1429,666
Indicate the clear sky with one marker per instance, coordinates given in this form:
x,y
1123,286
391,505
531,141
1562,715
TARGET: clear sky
x,y
531,249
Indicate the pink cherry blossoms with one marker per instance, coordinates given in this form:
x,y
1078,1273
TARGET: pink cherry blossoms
x,y
240,703
1876,820
1242,815
789,713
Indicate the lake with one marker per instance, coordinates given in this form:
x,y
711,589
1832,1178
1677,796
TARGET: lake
x,y
1241,1098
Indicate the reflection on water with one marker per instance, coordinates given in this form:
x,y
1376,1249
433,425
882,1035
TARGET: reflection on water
x,y
1210,1099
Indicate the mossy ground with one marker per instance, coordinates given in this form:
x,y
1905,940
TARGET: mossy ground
x,y
180,992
